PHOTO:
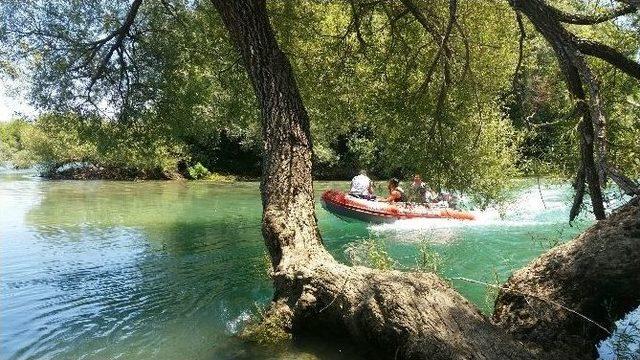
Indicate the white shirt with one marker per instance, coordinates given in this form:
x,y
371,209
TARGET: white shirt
x,y
360,185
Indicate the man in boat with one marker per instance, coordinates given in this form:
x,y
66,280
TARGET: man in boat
x,y
447,198
418,190
396,194
362,186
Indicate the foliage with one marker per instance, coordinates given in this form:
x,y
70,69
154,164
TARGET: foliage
x,y
216,177
371,253
371,111
364,85
378,256
542,111
198,171
56,140
12,148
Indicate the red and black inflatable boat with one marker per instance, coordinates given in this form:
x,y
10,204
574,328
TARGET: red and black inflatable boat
x,y
345,205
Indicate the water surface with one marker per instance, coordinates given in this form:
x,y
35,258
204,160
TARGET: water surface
x,y
170,270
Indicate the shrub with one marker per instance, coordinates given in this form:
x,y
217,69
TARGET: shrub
x,y
428,259
198,171
12,144
371,252
118,151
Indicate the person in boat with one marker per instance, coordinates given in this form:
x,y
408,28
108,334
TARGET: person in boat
x,y
362,186
418,190
447,198
396,194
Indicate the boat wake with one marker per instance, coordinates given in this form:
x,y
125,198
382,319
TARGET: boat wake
x,y
532,207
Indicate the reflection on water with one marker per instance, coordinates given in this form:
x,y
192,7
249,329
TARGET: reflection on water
x,y
171,270
121,270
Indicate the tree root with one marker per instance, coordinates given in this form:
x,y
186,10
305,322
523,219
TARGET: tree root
x,y
395,314
411,315
597,275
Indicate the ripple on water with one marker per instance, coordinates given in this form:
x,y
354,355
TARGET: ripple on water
x,y
116,270
113,287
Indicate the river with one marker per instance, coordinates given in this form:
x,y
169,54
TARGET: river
x,y
171,270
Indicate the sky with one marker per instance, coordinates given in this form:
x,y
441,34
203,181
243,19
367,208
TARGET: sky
x,y
13,104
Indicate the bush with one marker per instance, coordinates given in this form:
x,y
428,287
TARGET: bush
x,y
371,252
55,141
221,178
114,150
428,259
198,171
12,144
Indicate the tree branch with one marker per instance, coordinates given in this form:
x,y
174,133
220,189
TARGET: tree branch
x,y
610,55
520,49
122,32
627,185
357,24
422,19
592,19
443,41
467,49
579,186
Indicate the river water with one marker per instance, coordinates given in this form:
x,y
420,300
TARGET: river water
x,y
171,270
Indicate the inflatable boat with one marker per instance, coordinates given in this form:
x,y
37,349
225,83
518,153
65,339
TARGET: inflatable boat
x,y
345,205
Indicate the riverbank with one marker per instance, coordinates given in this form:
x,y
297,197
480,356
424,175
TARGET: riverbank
x,y
92,172
107,173
136,175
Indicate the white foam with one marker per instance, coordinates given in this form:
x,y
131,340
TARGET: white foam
x,y
527,209
235,324
533,206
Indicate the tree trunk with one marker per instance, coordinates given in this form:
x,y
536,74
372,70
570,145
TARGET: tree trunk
x,y
596,275
289,223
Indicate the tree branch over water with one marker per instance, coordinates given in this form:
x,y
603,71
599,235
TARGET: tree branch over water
x,y
118,45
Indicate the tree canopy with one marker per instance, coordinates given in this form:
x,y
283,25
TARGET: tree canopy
x,y
467,93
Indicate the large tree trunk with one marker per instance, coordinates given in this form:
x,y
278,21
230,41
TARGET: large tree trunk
x,y
403,315
596,275
289,223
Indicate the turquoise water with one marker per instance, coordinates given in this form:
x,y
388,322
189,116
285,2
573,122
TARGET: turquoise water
x,y
170,270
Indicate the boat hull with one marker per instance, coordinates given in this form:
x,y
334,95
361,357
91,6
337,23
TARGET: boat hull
x,y
346,206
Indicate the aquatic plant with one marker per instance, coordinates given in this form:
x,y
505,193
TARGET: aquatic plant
x,y
370,252
428,259
266,328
